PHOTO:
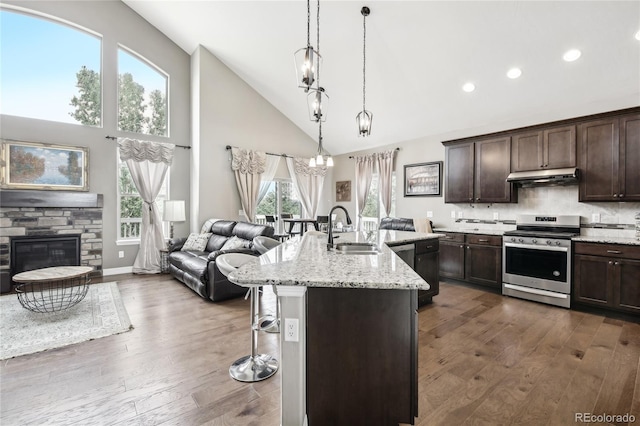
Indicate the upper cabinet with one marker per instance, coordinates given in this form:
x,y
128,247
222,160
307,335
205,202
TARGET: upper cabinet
x,y
609,159
476,172
544,149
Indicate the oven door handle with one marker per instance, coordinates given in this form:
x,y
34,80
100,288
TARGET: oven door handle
x,y
533,247
536,291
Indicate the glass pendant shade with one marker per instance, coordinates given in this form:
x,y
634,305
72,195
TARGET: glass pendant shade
x,y
330,162
312,162
308,63
364,119
319,160
318,103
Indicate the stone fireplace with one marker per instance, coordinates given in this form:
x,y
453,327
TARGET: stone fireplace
x,y
36,215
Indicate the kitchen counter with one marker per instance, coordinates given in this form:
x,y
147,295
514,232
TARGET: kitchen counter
x,y
356,317
607,240
471,231
305,261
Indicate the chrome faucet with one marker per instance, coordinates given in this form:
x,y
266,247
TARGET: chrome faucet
x,y
330,239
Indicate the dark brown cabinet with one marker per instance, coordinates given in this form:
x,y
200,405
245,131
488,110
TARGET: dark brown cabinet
x,y
473,258
362,356
608,276
544,149
609,159
426,265
476,172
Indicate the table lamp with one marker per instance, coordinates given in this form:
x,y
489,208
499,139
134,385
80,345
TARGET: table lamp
x,y
173,212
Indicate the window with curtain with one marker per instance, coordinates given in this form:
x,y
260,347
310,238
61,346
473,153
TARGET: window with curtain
x,y
142,95
373,209
50,70
130,205
281,198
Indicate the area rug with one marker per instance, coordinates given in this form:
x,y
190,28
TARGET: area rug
x,y
101,313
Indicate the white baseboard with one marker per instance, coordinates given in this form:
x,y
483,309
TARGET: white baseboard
x,y
117,271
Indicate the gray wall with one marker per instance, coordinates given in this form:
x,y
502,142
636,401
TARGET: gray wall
x,y
230,112
118,24
552,200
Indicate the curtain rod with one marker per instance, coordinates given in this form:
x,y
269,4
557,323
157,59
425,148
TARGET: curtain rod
x,y
228,147
113,138
397,149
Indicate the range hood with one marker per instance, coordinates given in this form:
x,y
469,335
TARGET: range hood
x,y
551,177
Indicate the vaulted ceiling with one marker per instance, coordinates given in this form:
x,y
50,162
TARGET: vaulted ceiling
x,y
419,55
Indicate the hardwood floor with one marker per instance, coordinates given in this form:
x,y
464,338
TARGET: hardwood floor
x,y
484,359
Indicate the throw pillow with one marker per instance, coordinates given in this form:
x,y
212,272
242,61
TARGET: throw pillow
x,y
196,242
233,243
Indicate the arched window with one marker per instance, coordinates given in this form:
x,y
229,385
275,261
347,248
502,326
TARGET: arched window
x,y
50,70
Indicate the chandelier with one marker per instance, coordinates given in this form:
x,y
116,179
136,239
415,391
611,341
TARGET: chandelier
x,y
319,159
307,59
364,117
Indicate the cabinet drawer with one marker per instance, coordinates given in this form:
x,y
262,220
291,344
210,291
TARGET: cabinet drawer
x,y
487,240
608,250
427,246
453,237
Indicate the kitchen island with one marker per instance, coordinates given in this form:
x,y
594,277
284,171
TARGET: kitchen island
x,y
355,358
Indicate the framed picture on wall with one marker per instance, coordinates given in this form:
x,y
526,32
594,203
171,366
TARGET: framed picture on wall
x,y
343,190
30,165
424,179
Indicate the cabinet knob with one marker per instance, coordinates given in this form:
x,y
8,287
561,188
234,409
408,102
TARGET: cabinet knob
x,y
615,195
470,199
468,248
477,199
616,263
461,246
611,262
621,195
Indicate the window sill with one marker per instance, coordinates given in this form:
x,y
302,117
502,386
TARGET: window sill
x,y
128,242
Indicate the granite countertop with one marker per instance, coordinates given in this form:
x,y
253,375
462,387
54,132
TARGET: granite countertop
x,y
607,240
471,231
305,261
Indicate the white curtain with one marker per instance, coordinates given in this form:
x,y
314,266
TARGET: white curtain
x,y
267,176
148,163
248,167
384,160
364,174
307,182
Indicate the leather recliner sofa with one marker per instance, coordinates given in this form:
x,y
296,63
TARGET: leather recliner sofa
x,y
198,270
399,224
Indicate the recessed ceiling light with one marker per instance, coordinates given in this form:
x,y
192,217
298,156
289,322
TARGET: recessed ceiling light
x,y
638,35
514,73
571,55
469,87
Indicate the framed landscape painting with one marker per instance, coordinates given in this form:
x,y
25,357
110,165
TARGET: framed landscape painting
x,y
30,165
423,179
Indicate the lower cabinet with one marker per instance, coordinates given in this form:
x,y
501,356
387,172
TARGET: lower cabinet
x,y
607,275
362,359
474,258
426,265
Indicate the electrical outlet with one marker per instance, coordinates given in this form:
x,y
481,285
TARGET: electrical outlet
x,y
496,216
459,215
291,332
453,214
595,218
121,254
429,214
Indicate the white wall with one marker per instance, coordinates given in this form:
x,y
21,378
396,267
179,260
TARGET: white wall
x,y
230,112
118,24
551,200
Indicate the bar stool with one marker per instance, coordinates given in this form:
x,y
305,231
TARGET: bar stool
x,y
254,367
262,245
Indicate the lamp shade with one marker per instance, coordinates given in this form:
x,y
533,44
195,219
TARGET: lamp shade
x,y
174,211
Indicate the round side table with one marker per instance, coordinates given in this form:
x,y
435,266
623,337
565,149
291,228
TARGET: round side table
x,y
52,289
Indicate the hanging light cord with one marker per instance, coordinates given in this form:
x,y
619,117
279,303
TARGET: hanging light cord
x,y
320,138
364,60
318,42
308,23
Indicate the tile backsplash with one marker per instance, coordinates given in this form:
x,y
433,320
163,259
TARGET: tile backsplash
x,y
602,219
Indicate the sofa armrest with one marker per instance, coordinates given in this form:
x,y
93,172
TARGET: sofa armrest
x,y
176,244
214,254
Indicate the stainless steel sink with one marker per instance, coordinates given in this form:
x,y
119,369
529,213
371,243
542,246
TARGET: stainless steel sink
x,y
357,248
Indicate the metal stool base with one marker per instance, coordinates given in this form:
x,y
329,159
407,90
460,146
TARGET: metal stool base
x,y
253,368
272,326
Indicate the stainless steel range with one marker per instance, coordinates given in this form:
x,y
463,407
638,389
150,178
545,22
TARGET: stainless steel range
x,y
536,258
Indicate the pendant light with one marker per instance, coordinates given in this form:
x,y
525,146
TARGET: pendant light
x,y
307,60
317,99
319,159
364,117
